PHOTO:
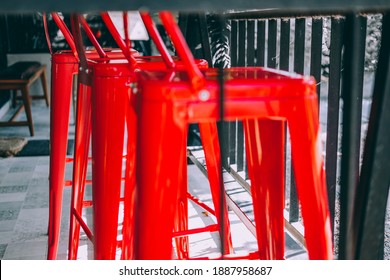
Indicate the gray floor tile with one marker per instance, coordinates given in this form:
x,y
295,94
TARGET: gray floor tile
x,y
6,236
7,226
43,160
3,247
22,178
31,225
13,189
24,162
38,194
26,251
41,182
4,197
36,199
18,169
41,171
4,168
9,210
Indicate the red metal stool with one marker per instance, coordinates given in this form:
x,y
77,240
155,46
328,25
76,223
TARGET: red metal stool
x,y
209,135
104,77
263,99
84,131
64,67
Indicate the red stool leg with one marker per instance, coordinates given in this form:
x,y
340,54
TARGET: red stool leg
x,y
310,178
210,142
62,76
109,104
80,165
129,192
181,217
265,141
161,156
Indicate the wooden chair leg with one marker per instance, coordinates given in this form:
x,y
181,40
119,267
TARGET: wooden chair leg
x,y
14,94
27,108
44,86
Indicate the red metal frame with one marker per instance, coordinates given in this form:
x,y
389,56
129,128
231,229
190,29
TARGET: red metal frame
x,y
83,128
102,248
64,67
264,100
269,95
252,94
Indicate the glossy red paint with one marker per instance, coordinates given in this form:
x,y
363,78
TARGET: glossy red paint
x,y
110,88
265,100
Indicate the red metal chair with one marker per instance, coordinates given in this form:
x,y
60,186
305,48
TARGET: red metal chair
x,y
264,99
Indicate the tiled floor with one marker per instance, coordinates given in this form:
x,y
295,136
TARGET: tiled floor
x,y
24,207
24,215
24,193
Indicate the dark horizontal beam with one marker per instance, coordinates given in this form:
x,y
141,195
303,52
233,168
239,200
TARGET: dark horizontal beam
x,y
7,6
297,13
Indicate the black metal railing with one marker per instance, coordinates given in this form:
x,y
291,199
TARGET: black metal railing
x,y
332,49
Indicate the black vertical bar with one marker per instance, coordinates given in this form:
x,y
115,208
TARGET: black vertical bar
x,y
260,43
204,34
352,92
332,124
234,43
299,45
234,62
222,125
250,61
373,190
183,23
232,142
240,146
3,41
223,149
191,26
251,43
299,63
217,38
316,52
226,139
272,39
316,60
241,43
284,63
4,47
241,62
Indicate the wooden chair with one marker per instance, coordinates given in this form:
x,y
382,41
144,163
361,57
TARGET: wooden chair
x,y
18,77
